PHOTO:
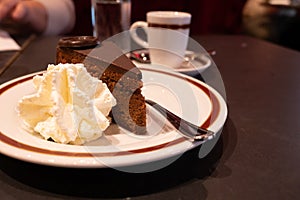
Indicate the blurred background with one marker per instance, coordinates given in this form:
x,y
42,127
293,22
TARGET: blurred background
x,y
276,21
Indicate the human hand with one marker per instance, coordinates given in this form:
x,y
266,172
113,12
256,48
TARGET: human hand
x,y
24,12
14,9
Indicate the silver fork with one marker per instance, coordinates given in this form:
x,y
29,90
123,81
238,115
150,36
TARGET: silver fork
x,y
188,129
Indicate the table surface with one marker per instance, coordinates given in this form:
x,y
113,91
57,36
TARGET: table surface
x,y
256,157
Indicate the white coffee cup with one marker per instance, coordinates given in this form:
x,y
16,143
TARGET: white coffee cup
x,y
167,35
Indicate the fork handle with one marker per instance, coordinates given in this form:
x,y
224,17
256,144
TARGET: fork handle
x,y
188,129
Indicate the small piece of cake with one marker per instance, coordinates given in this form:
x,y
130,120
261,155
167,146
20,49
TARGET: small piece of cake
x,y
108,63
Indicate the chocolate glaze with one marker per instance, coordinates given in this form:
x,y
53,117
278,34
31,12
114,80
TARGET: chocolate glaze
x,y
106,52
78,42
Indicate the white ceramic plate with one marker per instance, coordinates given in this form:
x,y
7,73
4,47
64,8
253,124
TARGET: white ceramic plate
x,y
185,96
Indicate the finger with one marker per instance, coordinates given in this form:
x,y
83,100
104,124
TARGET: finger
x,y
20,12
6,6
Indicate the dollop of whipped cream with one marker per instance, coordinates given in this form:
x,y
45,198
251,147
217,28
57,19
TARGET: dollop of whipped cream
x,y
69,106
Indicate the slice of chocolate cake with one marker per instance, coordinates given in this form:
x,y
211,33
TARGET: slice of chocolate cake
x,y
108,63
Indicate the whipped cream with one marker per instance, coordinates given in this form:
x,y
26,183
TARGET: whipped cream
x,y
69,106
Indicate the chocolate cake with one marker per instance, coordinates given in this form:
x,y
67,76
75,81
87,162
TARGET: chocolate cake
x,y
108,63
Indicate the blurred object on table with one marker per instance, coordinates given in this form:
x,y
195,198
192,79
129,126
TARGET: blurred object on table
x,y
110,17
276,21
83,25
7,43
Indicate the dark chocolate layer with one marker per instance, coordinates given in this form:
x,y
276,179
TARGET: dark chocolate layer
x,y
107,52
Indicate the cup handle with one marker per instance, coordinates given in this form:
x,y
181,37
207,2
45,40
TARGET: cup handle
x,y
135,36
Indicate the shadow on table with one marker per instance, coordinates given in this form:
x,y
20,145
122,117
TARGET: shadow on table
x,y
110,183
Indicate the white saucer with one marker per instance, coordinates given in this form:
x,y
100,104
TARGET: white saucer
x,y
196,65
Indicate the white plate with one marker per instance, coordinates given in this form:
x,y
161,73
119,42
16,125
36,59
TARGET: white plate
x,y
185,96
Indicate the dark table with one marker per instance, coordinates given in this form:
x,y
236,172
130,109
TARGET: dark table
x,y
256,157
7,58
